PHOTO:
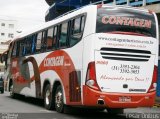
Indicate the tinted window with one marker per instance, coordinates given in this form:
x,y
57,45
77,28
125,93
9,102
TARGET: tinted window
x,y
44,41
33,47
49,38
55,36
39,40
125,20
82,23
28,45
22,47
77,30
76,25
15,51
63,35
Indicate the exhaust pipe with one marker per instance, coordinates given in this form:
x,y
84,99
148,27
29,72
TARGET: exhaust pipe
x,y
100,102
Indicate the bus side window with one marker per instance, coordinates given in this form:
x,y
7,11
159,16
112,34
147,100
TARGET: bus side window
x,y
24,48
49,38
63,35
55,36
9,52
14,52
82,24
21,46
38,44
44,41
28,45
33,47
18,46
77,26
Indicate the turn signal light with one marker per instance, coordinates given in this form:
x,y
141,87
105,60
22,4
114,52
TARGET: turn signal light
x,y
91,76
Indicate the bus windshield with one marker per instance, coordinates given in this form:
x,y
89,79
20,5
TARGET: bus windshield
x,y
112,20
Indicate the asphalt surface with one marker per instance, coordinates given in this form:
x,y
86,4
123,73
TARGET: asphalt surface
x,y
30,108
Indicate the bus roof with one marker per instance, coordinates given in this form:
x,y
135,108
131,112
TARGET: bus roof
x,y
72,14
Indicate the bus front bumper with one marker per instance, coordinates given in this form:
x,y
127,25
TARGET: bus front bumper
x,y
113,100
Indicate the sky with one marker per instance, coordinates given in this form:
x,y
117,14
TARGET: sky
x,y
27,13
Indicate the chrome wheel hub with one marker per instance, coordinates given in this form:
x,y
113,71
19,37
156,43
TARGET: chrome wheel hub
x,y
47,97
58,99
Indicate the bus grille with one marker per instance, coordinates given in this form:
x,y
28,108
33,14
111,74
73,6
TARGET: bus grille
x,y
125,54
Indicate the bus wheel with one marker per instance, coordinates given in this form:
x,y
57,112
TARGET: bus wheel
x,y
48,99
12,95
59,105
115,110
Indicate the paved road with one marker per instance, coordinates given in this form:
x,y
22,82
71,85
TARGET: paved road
x,y
30,108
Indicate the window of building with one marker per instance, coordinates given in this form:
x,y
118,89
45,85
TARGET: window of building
x,y
11,25
63,35
2,24
2,34
10,35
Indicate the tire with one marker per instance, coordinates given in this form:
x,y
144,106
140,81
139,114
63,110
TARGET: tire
x,y
12,94
59,100
48,98
115,110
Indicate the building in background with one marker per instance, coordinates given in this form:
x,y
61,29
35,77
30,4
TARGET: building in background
x,y
7,30
3,48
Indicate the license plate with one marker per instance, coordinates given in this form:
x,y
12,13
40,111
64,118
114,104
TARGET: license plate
x,y
124,99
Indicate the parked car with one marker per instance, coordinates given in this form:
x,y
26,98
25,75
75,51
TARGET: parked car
x,y
1,83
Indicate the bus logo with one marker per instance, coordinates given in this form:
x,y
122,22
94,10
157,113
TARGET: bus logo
x,y
54,61
126,21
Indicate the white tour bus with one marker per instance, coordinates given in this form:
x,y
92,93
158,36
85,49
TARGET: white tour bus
x,y
97,56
